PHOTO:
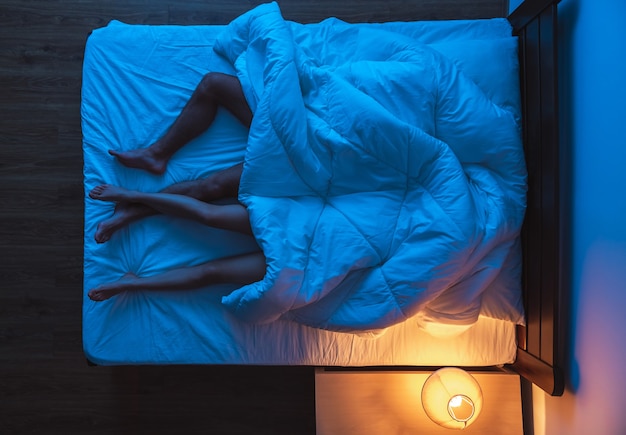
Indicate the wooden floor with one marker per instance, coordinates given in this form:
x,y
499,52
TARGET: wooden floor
x,y
45,383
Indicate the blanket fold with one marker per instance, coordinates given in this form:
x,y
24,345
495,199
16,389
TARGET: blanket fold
x,y
380,181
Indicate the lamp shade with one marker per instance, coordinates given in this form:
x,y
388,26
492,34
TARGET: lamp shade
x,y
452,398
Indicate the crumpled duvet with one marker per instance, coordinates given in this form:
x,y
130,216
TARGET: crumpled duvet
x,y
380,181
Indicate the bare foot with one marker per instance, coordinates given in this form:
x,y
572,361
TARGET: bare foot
x,y
123,215
106,228
107,291
141,158
108,192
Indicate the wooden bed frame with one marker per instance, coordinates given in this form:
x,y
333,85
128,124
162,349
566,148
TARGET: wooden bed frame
x,y
541,353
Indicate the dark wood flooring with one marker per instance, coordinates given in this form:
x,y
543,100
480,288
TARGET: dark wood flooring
x,y
45,384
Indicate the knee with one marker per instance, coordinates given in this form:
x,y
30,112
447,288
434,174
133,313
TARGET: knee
x,y
223,184
206,274
210,85
214,187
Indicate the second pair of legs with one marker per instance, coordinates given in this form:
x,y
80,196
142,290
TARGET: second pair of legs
x,y
188,200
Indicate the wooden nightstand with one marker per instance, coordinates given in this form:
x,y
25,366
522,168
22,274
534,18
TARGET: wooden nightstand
x,y
363,402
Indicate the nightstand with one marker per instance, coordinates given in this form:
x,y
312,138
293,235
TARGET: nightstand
x,y
364,402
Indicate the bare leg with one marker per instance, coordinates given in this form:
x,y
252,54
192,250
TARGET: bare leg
x,y
215,89
222,184
241,269
232,217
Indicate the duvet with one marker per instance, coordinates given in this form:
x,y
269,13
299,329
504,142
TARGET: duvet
x,y
381,182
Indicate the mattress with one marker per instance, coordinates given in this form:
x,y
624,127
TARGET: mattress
x,y
136,79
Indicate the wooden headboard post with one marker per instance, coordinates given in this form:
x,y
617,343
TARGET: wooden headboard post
x,y
541,352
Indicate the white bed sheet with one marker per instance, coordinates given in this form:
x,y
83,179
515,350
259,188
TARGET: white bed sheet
x,y
136,80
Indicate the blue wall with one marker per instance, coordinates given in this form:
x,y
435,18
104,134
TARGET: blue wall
x,y
593,127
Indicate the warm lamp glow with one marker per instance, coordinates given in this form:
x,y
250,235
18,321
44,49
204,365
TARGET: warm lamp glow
x,y
461,408
452,398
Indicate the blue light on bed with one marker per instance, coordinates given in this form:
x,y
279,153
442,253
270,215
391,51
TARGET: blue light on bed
x,y
370,221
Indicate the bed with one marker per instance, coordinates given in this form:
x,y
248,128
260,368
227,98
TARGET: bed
x,y
469,311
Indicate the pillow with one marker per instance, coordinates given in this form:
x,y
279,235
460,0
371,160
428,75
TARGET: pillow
x,y
431,32
492,64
